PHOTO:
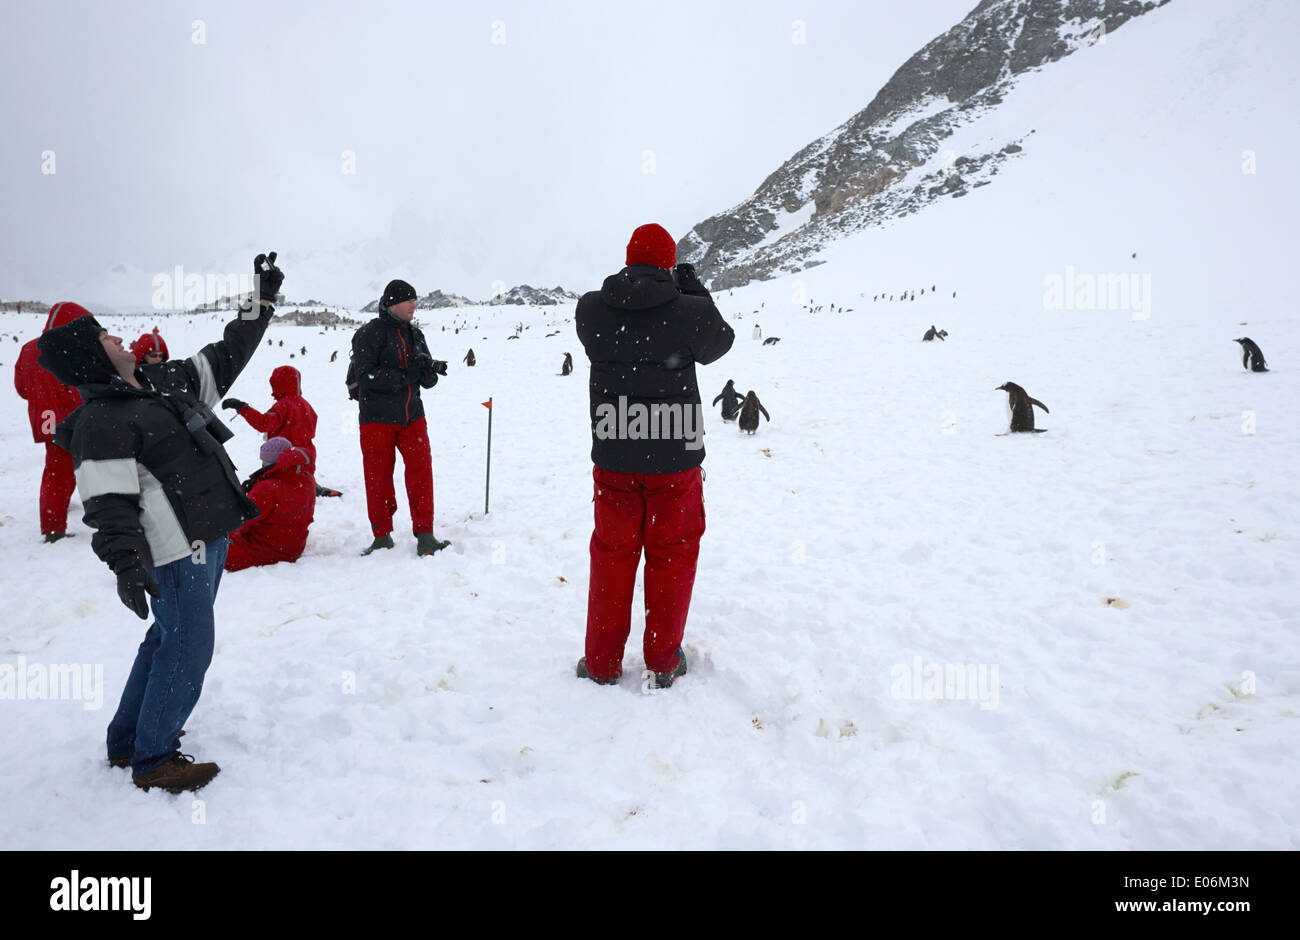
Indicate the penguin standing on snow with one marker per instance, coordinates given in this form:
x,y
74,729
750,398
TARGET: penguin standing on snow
x,y
1251,356
334,355
932,333
567,367
730,399
749,413
469,358
758,332
1022,411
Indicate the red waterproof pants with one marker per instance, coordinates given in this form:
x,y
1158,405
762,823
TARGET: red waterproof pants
x,y
664,514
57,485
380,444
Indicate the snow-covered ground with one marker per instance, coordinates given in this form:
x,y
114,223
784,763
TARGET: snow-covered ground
x,y
1127,580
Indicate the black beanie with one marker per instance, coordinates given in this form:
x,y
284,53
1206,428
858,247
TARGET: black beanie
x,y
73,354
395,293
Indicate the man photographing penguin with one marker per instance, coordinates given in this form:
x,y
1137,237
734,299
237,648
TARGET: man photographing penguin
x,y
162,495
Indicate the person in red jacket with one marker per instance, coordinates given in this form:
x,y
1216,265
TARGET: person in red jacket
x,y
150,349
285,492
291,417
49,401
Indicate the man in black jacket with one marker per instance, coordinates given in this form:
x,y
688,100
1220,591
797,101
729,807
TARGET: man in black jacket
x,y
644,331
162,495
390,364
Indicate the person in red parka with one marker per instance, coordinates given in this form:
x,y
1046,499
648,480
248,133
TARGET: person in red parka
x,y
49,401
285,492
150,349
291,417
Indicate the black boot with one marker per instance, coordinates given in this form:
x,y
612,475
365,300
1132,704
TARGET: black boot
x,y
381,541
427,544
663,680
55,536
584,674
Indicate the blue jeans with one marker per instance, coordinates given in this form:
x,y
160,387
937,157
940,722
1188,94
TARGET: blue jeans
x,y
167,677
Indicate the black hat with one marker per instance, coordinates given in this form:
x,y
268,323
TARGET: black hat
x,y
73,354
395,293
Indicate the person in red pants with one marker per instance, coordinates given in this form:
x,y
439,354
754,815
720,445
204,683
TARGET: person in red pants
x,y
643,332
49,401
390,364
285,492
291,417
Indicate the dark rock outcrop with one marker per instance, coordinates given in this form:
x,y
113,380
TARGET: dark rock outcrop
x,y
850,178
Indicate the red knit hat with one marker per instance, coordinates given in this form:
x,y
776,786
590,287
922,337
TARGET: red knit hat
x,y
149,343
651,244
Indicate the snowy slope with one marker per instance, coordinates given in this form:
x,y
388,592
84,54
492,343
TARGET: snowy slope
x,y
878,520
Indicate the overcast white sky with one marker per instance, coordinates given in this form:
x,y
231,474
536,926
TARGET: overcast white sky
x,y
476,161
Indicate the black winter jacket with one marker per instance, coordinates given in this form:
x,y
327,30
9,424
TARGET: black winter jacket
x,y
644,334
151,486
390,364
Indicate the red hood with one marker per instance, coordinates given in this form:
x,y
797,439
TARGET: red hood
x,y
291,460
285,380
149,342
64,312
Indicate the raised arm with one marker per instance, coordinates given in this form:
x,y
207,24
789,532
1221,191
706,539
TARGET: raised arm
x,y
216,366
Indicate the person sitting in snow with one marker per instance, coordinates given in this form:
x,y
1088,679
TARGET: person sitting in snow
x,y
291,417
285,493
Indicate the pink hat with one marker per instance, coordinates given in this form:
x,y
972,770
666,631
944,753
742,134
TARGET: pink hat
x,y
273,448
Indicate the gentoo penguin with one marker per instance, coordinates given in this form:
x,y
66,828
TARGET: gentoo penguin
x,y
758,333
749,412
1251,356
771,341
567,367
334,355
930,334
469,357
1022,412
730,399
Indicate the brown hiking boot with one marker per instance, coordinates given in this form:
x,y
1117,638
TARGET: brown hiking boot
x,y
178,774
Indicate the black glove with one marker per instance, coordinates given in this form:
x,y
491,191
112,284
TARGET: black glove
x,y
132,583
267,276
439,367
688,282
234,403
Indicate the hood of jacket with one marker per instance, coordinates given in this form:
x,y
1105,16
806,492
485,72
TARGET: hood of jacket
x,y
286,381
291,462
64,313
639,287
149,343
73,354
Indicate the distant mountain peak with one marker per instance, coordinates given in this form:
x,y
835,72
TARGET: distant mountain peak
x,y
849,179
